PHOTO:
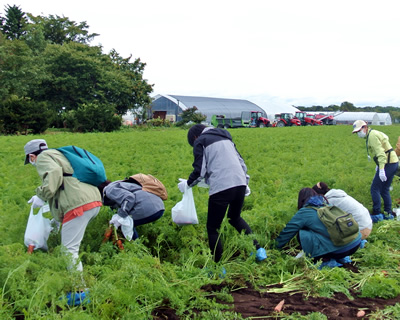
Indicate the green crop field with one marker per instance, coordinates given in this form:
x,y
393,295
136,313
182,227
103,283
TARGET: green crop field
x,y
168,265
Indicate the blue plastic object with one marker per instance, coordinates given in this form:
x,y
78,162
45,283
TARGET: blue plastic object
x,y
330,264
78,298
261,254
362,244
377,217
221,274
344,260
388,217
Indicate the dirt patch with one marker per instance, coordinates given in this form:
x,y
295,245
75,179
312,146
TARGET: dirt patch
x,y
252,303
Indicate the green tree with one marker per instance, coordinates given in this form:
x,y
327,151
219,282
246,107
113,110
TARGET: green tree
x,y
191,115
60,30
347,106
12,26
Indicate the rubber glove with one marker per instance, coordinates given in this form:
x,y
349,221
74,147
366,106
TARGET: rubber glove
x,y
36,202
247,193
382,175
182,185
114,220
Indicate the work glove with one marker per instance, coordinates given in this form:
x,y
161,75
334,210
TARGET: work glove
x,y
36,202
247,192
114,220
182,185
382,175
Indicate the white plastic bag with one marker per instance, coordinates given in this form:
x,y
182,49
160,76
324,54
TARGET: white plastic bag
x,y
184,212
38,229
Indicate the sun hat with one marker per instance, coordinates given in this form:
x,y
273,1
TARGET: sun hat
x,y
34,146
358,124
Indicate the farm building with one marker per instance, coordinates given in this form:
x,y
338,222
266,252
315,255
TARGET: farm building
x,y
372,118
171,106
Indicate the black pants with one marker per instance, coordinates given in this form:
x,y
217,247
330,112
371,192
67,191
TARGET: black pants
x,y
217,205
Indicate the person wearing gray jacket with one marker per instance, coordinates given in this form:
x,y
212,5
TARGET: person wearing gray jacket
x,y
217,161
132,203
342,200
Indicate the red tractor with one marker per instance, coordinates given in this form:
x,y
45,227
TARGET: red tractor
x,y
257,120
285,119
307,119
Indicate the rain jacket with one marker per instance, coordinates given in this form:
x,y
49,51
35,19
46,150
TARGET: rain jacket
x,y
379,148
62,193
341,199
314,237
217,161
132,200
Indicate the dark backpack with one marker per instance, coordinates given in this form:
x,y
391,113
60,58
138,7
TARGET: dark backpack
x,y
87,167
341,226
149,184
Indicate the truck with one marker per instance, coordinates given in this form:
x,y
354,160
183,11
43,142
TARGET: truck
x,y
285,119
307,119
248,119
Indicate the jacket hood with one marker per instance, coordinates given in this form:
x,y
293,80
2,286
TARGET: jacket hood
x,y
218,132
335,193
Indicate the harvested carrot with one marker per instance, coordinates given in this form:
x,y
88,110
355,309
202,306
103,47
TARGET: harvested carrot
x,y
31,248
279,306
118,241
107,234
360,313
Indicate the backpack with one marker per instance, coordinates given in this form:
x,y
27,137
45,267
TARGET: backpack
x,y
149,184
87,167
341,226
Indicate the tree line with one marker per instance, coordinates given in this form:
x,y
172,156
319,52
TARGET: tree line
x,y
50,76
349,107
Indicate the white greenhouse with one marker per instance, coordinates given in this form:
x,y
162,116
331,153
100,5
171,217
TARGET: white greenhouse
x,y
372,118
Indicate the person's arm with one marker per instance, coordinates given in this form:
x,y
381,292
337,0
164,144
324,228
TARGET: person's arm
x,y
124,199
195,176
51,174
290,230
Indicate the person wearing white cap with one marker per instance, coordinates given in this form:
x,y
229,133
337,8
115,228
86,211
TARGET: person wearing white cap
x,y
72,203
387,163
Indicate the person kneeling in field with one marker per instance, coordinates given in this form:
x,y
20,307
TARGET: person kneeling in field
x,y
312,234
342,200
135,206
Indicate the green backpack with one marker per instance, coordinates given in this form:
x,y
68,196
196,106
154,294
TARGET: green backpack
x,y
341,225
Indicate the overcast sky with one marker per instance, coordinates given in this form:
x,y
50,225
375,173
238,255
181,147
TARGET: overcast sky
x,y
302,53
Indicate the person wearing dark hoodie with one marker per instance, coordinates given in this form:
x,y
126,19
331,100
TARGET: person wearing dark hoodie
x,y
134,206
217,161
312,234
342,200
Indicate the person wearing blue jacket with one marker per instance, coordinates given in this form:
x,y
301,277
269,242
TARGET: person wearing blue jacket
x,y
312,233
217,161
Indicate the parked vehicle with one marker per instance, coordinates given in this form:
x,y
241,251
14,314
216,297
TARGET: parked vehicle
x,y
326,119
247,119
285,119
307,119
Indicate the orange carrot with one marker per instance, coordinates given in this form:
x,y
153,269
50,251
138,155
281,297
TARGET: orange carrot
x,y
31,248
279,306
360,313
107,234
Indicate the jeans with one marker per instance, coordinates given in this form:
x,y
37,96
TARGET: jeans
x,y
381,189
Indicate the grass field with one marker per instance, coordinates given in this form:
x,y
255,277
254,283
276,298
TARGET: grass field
x,y
168,265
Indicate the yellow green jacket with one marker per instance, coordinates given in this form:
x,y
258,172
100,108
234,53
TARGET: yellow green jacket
x,y
377,145
62,193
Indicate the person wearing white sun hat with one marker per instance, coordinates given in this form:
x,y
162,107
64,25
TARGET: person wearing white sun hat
x,y
379,148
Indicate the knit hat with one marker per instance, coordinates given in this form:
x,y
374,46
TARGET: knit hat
x,y
321,188
34,146
194,132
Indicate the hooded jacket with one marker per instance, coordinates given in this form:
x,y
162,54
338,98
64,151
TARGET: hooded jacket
x,y
341,199
132,200
217,160
62,193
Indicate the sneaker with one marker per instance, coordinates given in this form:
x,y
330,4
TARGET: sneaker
x,y
377,217
330,264
261,254
78,298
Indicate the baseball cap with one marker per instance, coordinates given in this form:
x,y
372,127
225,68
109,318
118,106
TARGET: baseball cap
x,y
358,124
33,146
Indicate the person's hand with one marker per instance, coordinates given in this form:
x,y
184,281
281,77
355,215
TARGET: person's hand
x,y
247,193
182,185
114,220
36,202
382,175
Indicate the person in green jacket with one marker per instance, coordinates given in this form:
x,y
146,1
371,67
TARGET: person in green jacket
x,y
379,148
72,203
312,234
